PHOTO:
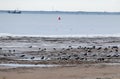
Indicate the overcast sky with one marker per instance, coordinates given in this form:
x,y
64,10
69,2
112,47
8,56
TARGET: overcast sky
x,y
61,5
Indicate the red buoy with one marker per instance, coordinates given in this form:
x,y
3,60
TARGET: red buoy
x,y
59,18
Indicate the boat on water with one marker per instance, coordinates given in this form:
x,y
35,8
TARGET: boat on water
x,y
15,12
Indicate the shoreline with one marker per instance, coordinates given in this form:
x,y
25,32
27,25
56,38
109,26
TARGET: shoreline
x,y
59,58
59,12
62,36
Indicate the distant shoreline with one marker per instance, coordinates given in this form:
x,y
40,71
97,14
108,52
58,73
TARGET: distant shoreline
x,y
60,36
63,12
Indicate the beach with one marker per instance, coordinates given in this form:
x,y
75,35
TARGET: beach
x,y
75,72
25,57
50,39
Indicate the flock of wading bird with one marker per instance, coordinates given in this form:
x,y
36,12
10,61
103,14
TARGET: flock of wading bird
x,y
85,54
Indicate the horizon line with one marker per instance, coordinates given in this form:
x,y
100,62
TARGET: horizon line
x,y
58,10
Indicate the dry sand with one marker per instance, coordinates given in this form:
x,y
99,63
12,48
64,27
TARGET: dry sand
x,y
74,72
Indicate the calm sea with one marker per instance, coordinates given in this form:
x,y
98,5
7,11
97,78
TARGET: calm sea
x,y
49,24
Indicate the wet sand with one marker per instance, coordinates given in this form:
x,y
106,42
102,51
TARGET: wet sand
x,y
79,58
64,50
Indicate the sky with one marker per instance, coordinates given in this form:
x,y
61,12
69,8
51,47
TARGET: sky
x,y
62,5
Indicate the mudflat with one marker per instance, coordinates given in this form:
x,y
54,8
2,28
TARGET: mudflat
x,y
59,57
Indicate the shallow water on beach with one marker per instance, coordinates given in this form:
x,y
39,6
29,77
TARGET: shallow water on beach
x,y
53,65
27,65
48,24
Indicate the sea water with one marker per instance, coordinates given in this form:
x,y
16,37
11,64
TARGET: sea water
x,y
68,24
28,65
